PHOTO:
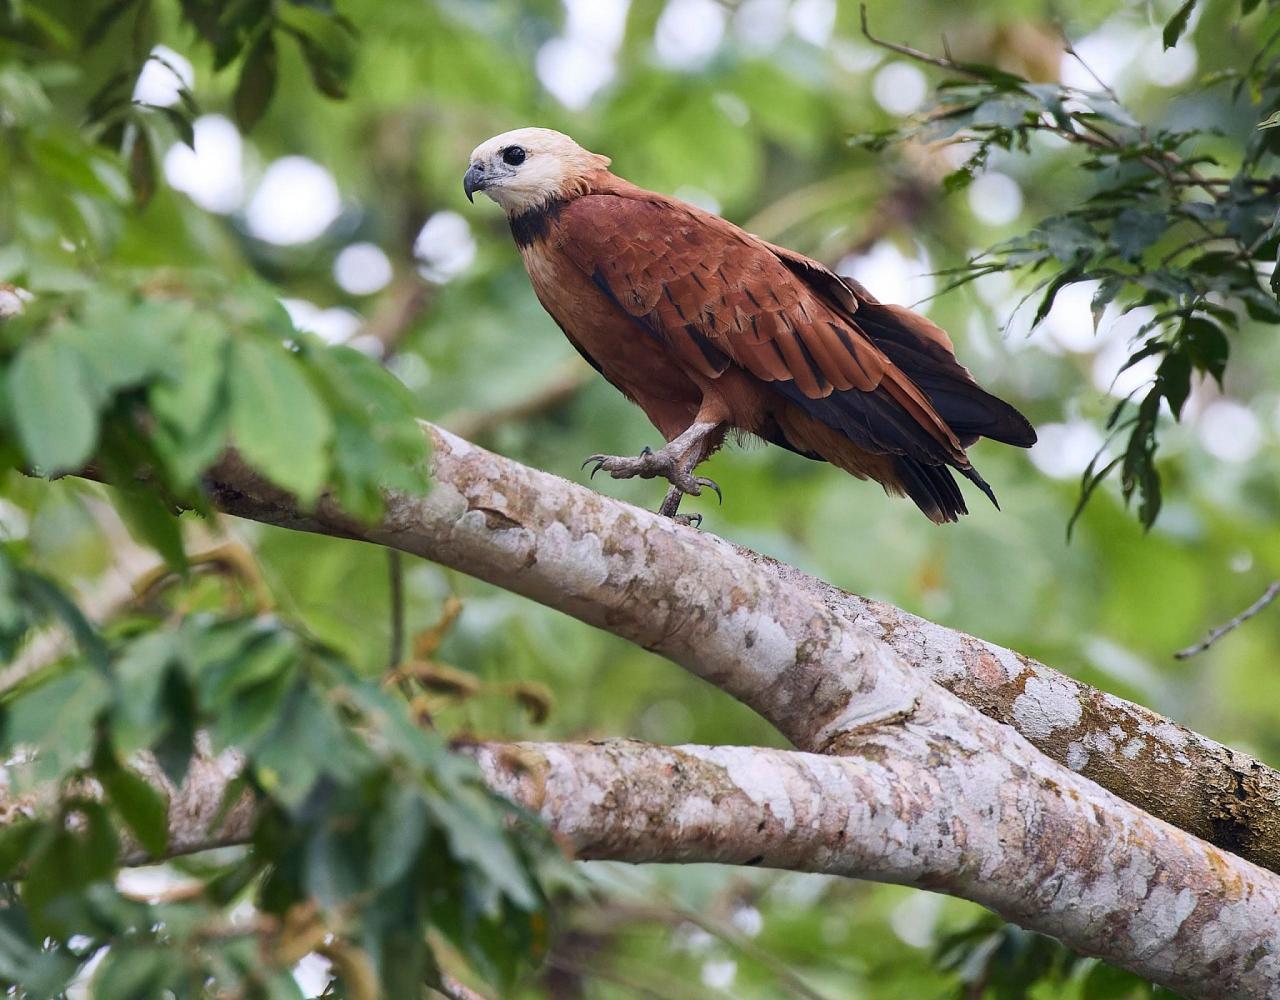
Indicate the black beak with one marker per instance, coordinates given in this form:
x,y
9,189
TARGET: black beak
x,y
473,180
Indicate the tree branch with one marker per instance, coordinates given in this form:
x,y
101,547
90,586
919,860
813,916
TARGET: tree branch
x,y
937,806
935,809
1261,604
820,664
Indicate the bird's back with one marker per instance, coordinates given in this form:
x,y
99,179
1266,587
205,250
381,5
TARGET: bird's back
x,y
668,300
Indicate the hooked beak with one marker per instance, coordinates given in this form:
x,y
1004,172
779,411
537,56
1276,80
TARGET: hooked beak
x,y
473,180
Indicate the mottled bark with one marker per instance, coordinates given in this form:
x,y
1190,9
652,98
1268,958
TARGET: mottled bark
x,y
1225,796
814,660
936,805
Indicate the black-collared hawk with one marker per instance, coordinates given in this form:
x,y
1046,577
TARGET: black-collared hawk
x,y
710,329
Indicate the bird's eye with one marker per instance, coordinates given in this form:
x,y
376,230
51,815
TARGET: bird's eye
x,y
513,156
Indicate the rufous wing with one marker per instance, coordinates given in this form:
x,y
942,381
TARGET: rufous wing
x,y
717,296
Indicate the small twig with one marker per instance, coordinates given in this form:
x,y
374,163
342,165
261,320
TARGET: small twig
x,y
909,52
1163,162
456,990
1260,604
395,580
1070,50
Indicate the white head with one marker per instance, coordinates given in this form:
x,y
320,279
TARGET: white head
x,y
528,167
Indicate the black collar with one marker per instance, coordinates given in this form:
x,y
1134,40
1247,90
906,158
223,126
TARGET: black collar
x,y
532,224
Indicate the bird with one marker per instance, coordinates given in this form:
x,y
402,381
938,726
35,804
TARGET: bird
x,y
711,330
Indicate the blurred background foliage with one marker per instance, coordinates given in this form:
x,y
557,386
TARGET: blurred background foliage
x,y
171,167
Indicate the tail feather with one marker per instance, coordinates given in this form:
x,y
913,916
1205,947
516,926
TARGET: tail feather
x,y
917,347
932,488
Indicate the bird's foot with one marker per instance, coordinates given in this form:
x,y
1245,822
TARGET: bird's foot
x,y
688,520
649,464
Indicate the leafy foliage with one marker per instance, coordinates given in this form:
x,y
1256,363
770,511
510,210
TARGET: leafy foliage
x,y
1157,231
366,825
368,832
1007,963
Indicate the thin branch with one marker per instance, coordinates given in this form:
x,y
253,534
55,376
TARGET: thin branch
x,y
455,989
395,599
1070,50
1164,162
1271,593
916,54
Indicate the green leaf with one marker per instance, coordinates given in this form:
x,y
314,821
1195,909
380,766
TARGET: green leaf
x,y
377,442
142,167
152,521
1069,238
182,124
1051,293
257,82
102,23
57,720
130,972
46,595
78,855
1177,24
16,842
1105,294
51,406
191,403
1135,230
1174,379
1207,346
124,343
327,45
398,832
262,660
277,421
307,742
176,745
476,835
139,804
138,715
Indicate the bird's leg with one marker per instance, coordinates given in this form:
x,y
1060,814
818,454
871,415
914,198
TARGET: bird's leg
x,y
674,462
671,504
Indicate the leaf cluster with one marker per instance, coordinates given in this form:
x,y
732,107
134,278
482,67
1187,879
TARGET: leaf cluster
x,y
370,838
149,387
1004,962
366,826
1168,227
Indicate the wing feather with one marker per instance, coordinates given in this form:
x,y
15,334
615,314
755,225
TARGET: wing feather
x,y
719,297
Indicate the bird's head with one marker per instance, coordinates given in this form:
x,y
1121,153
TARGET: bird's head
x,y
527,168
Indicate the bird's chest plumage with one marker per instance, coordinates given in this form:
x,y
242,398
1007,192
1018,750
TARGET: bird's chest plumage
x,y
635,360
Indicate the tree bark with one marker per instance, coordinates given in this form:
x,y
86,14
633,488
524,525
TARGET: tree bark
x,y
933,806
939,808
814,660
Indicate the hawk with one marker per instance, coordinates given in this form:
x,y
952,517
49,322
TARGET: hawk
x,y
708,329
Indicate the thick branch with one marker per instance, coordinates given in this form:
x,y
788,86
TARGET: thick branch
x,y
940,811
817,662
933,806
